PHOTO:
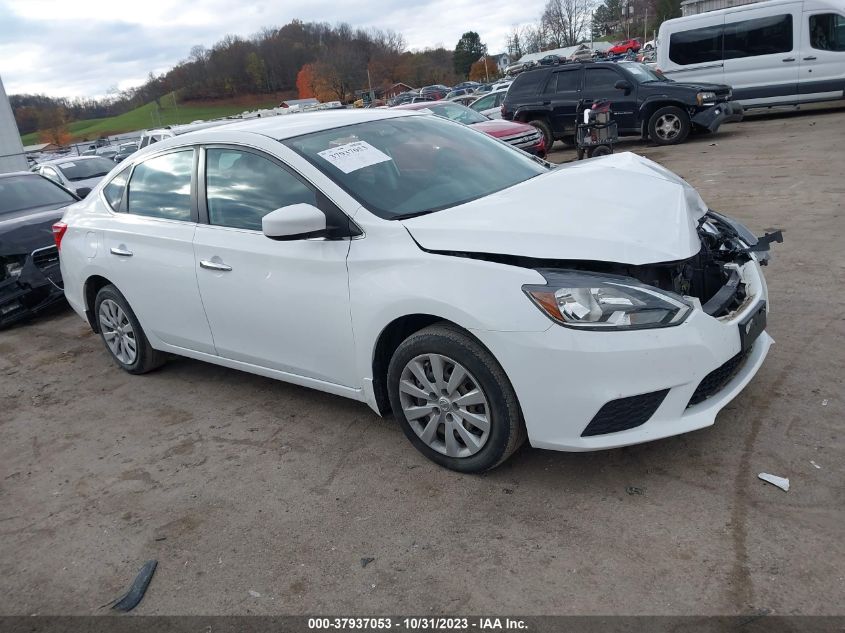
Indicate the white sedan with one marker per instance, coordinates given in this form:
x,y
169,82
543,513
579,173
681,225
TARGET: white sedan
x,y
411,263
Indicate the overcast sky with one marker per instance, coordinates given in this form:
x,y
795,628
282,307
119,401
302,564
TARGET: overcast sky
x,y
87,47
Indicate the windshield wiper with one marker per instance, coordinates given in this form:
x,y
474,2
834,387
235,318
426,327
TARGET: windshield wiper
x,y
413,214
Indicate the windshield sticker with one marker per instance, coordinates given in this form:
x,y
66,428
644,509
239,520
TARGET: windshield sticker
x,y
353,156
68,165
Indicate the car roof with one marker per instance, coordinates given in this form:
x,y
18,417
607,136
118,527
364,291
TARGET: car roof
x,y
10,174
286,126
67,159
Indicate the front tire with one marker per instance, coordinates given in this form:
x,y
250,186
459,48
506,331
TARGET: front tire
x,y
122,334
669,126
453,400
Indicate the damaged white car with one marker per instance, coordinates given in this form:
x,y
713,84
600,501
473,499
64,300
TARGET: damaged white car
x,y
414,264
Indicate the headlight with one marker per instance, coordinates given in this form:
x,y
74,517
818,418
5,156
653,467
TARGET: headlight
x,y
703,97
608,302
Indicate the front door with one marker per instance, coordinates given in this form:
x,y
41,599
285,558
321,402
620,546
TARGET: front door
x,y
822,73
600,83
281,305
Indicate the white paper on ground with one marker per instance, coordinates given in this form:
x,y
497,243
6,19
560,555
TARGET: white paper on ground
x,y
780,482
353,156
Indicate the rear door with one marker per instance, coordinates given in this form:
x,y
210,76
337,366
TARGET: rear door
x,y
822,71
562,93
281,305
148,244
761,51
600,83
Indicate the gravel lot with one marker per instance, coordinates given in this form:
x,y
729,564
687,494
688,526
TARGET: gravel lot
x,y
240,484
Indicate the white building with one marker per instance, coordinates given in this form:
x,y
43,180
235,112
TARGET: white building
x,y
12,157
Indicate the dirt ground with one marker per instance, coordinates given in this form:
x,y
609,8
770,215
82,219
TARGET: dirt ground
x,y
260,497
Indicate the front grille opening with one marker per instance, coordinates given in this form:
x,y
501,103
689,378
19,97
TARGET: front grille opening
x,y
625,413
713,382
46,257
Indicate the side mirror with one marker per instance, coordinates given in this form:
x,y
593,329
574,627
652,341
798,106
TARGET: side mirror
x,y
83,191
623,84
294,222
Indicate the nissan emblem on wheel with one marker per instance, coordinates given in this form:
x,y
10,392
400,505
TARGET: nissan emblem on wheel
x,y
433,272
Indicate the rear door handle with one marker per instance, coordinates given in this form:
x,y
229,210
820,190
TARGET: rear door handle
x,y
810,58
120,251
789,59
212,265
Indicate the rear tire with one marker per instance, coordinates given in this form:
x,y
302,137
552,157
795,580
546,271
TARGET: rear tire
x,y
123,335
546,131
568,140
440,379
600,150
669,125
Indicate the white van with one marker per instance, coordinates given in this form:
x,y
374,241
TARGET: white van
x,y
780,52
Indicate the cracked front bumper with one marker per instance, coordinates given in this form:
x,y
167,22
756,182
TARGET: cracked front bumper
x,y
38,287
714,116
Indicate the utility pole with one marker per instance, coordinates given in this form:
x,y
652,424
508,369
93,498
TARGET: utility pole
x,y
370,84
486,73
645,26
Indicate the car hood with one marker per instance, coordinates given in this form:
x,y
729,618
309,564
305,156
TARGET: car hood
x,y
501,128
24,231
622,208
669,86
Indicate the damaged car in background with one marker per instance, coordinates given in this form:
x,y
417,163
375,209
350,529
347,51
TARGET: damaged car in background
x,y
30,278
475,292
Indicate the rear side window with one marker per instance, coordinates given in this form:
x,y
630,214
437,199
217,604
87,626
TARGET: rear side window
x,y
600,79
761,36
696,46
241,188
564,81
161,187
827,32
528,83
113,191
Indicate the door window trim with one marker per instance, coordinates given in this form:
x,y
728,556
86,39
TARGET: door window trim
x,y
124,202
330,209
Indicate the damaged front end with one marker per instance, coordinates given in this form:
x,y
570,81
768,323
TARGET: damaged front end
x,y
29,284
721,279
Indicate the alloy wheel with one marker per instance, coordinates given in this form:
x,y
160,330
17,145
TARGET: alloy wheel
x,y
118,332
668,126
445,405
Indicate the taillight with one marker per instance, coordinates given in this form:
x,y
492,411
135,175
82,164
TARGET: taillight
x,y
59,230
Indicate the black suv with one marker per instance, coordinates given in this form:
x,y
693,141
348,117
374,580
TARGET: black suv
x,y
643,102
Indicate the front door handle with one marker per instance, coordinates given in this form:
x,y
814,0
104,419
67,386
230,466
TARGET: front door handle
x,y
120,251
789,59
810,58
213,265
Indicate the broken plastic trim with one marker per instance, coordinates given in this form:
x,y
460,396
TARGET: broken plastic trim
x,y
136,591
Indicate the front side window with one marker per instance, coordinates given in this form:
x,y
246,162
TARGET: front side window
x,y
696,46
75,171
242,187
600,79
160,187
29,191
761,36
406,166
827,32
114,190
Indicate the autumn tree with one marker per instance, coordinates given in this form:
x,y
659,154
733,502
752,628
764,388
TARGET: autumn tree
x,y
257,70
484,70
305,82
52,124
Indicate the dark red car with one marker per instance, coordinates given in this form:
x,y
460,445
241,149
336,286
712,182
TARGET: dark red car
x,y
525,137
624,46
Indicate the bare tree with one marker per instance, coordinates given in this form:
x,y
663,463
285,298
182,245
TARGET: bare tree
x,y
566,22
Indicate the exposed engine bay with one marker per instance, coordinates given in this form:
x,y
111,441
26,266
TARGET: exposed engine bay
x,y
712,275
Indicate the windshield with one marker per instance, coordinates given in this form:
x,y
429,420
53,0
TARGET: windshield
x,y
413,165
643,73
84,169
457,112
18,193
